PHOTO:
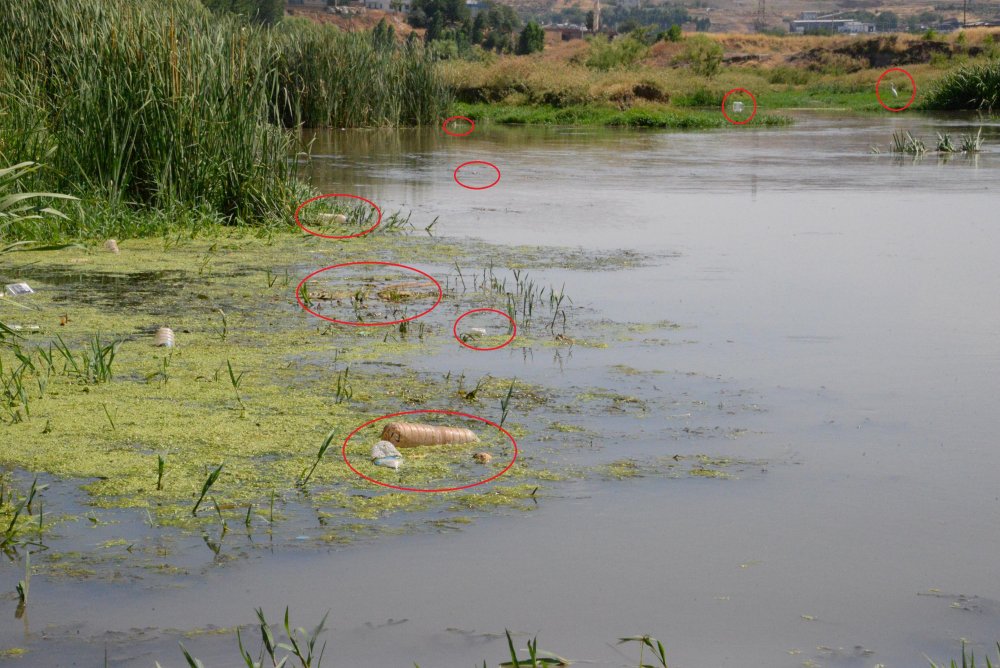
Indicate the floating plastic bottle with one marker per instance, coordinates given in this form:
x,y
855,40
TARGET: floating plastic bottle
x,y
164,337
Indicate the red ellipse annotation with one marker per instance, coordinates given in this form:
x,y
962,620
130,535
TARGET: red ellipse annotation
x,y
513,324
477,162
913,85
421,489
444,126
378,221
298,294
752,114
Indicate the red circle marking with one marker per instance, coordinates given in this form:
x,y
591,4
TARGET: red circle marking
x,y
477,162
513,324
337,236
913,95
421,489
444,126
752,114
298,294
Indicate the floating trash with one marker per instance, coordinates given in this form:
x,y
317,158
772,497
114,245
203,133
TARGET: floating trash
x,y
410,434
483,457
16,289
337,218
30,329
111,246
385,454
164,337
476,331
737,107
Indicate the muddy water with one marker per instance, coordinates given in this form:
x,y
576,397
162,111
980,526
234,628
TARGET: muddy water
x,y
839,333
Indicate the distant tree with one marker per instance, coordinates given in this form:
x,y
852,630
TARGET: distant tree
x,y
384,35
702,24
423,13
590,20
886,21
531,39
703,54
478,28
435,30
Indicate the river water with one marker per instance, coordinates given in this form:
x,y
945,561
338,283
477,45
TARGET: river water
x,y
843,309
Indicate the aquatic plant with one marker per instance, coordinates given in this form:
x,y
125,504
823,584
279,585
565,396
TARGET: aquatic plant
x,y
944,143
973,87
207,485
646,641
94,364
968,659
308,472
23,586
904,142
505,403
972,143
235,380
161,467
344,389
535,659
299,644
16,206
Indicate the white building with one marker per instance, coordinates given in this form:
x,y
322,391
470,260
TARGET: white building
x,y
388,5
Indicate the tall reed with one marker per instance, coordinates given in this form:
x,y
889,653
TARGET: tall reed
x,y
162,106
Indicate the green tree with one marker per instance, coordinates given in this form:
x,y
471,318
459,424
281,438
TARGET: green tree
x,y
478,28
384,35
531,39
703,54
674,34
590,20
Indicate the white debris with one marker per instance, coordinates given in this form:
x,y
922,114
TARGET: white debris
x,y
385,454
19,289
384,449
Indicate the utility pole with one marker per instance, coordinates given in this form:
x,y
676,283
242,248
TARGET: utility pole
x,y
761,21
965,5
597,16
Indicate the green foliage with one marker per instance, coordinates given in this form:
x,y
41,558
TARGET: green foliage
x,y
162,110
607,54
259,11
17,207
625,19
531,40
674,33
703,54
384,35
448,13
972,87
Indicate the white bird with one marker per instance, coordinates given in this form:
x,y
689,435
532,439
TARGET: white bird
x,y
893,87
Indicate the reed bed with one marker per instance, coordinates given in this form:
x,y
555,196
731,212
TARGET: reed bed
x,y
974,87
165,107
